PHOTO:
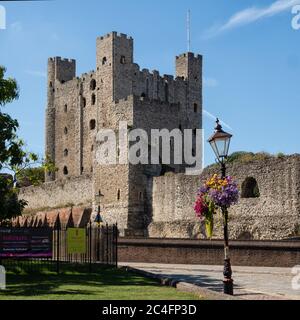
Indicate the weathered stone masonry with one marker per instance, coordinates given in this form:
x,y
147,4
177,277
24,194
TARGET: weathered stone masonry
x,y
118,90
144,199
274,214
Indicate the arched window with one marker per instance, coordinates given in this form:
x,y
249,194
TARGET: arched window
x,y
92,124
118,194
245,235
50,84
250,188
65,108
93,99
122,60
65,130
66,152
65,170
166,92
104,60
143,95
195,107
93,84
92,147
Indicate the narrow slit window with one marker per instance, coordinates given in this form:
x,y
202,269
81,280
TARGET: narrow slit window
x,y
93,99
65,170
92,124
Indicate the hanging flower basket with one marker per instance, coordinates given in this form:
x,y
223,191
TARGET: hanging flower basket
x,y
216,193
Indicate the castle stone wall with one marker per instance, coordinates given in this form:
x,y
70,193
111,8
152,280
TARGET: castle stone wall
x,y
58,194
275,214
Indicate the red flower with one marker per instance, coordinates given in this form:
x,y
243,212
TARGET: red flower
x,y
200,207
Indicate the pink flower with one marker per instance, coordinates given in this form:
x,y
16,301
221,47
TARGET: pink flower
x,y
200,207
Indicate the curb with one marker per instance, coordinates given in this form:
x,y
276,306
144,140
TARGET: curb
x,y
182,286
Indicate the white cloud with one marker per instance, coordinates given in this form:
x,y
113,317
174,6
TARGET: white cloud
x,y
36,73
210,82
251,15
213,117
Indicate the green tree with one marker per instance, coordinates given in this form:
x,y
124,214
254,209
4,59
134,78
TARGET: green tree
x,y
13,156
31,176
32,171
11,153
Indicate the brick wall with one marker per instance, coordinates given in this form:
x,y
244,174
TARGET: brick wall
x,y
242,253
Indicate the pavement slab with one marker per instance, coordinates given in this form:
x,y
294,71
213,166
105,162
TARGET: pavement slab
x,y
251,283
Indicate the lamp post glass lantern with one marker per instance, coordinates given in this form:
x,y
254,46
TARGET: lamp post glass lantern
x,y
220,142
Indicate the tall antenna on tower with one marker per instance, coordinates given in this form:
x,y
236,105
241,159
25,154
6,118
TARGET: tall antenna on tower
x,y
188,27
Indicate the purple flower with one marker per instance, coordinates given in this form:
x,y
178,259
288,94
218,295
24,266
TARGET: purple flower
x,y
203,190
226,196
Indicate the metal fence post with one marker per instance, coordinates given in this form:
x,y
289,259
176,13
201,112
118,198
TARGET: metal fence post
x,y
98,243
57,227
106,243
116,244
90,246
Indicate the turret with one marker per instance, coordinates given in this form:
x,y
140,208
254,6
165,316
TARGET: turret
x,y
114,65
61,70
189,67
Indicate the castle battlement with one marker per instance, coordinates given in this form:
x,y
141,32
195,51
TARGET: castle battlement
x,y
86,75
189,55
114,35
62,59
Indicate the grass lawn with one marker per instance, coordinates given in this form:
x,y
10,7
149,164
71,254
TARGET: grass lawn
x,y
76,283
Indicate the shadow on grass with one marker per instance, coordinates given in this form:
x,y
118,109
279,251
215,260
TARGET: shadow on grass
x,y
73,280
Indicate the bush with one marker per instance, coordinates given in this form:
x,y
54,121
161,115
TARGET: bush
x,y
244,157
280,155
31,176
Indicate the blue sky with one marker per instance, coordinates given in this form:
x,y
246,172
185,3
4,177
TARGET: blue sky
x,y
251,58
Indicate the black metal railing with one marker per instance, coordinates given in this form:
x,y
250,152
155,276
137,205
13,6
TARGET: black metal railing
x,y
100,247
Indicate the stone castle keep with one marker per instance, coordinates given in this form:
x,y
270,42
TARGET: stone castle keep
x,y
145,200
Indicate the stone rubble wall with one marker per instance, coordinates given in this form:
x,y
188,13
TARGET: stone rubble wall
x,y
59,193
273,215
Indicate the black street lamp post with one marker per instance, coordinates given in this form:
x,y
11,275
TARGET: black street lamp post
x,y
220,142
98,220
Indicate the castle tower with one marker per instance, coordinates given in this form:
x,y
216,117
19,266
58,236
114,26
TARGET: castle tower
x,y
189,67
114,64
118,90
60,70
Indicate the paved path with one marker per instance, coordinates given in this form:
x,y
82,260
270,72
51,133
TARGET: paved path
x,y
249,282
